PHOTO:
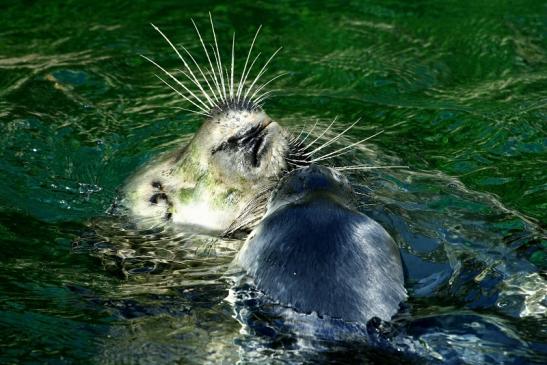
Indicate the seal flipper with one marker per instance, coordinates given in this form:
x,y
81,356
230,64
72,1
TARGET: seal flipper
x,y
317,255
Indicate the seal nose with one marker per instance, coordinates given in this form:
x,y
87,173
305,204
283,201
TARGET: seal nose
x,y
252,141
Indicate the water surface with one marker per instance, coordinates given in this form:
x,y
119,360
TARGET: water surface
x,y
460,91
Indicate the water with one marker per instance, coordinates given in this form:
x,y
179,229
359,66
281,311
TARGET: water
x,y
460,92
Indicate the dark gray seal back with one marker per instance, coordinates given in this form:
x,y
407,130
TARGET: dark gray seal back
x,y
315,253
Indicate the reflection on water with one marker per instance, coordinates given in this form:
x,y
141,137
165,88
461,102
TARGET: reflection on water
x,y
458,90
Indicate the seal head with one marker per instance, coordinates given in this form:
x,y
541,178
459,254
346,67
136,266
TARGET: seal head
x,y
209,183
315,253
206,184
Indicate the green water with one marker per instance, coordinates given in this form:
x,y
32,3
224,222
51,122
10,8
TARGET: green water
x,y
460,91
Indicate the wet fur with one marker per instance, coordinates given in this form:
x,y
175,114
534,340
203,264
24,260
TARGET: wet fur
x,y
314,253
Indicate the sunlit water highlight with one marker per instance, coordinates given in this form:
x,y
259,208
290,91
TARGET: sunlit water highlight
x,y
458,90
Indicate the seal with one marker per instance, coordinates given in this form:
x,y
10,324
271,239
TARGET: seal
x,y
210,182
219,182
314,252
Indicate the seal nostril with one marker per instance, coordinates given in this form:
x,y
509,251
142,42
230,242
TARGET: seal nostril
x,y
252,133
250,139
256,151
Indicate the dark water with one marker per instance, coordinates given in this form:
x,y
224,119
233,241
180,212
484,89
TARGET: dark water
x,y
460,91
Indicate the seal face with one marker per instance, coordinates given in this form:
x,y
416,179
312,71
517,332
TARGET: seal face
x,y
315,253
206,184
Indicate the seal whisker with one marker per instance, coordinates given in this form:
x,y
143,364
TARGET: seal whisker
x,y
193,78
221,75
264,85
321,135
188,77
297,162
232,72
241,81
293,140
205,111
247,75
208,59
213,88
297,138
365,167
297,152
218,56
344,150
309,132
297,166
334,139
178,82
264,96
203,75
261,72
227,78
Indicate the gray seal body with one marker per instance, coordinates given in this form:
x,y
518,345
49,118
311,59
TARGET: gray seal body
x,y
314,253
